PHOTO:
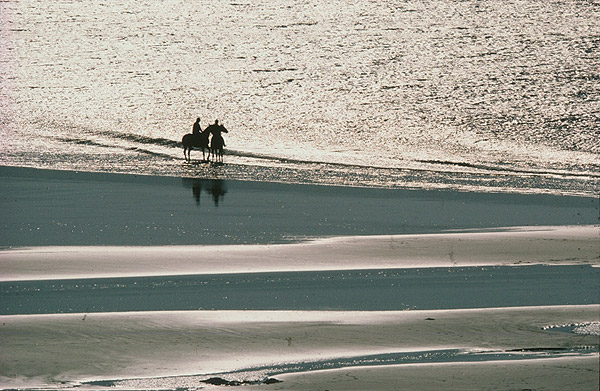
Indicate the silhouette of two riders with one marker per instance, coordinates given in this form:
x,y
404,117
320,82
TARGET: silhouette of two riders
x,y
199,139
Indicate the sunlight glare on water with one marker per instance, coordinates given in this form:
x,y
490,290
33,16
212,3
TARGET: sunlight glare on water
x,y
313,87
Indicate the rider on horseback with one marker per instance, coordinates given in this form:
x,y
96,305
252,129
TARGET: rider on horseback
x,y
213,128
196,128
198,139
216,143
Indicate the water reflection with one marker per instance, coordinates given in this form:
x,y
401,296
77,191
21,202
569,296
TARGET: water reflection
x,y
216,188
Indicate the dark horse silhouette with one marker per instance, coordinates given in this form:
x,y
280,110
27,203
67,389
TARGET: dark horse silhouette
x,y
191,141
216,142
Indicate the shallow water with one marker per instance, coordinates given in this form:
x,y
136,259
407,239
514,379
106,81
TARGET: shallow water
x,y
493,96
43,207
345,290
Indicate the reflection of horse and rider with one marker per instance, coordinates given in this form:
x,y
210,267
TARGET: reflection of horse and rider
x,y
199,139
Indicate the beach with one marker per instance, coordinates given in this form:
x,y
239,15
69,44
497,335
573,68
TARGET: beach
x,y
256,289
408,197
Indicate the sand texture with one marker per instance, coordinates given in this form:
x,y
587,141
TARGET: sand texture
x,y
198,342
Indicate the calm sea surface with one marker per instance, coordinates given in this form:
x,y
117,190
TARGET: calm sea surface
x,y
475,95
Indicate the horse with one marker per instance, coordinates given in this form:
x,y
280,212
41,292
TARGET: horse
x,y
191,141
216,142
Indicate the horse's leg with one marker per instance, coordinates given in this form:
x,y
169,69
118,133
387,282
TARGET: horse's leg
x,y
184,154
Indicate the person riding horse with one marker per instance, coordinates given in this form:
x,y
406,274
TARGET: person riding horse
x,y
197,139
196,130
216,143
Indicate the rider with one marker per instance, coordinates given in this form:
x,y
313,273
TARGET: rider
x,y
217,143
196,127
214,127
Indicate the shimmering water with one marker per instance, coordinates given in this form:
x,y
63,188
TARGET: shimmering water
x,y
497,95
345,290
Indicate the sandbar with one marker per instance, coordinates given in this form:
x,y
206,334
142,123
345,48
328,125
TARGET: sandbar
x,y
154,344
514,246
